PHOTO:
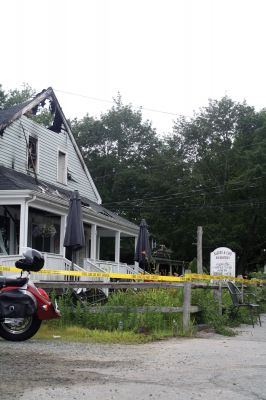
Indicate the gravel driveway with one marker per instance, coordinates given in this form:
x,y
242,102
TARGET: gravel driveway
x,y
208,367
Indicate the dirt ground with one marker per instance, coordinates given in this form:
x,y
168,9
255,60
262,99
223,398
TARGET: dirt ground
x,y
206,367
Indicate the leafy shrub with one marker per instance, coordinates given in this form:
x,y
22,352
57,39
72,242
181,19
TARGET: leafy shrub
x,y
210,313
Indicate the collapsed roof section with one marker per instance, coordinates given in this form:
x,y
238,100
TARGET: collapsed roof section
x,y
32,107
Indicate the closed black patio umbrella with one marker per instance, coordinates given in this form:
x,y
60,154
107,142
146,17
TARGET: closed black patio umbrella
x,y
143,250
74,236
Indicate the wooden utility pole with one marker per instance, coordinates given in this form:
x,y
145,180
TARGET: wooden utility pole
x,y
186,306
199,250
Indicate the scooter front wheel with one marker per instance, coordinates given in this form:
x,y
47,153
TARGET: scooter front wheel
x,y
19,329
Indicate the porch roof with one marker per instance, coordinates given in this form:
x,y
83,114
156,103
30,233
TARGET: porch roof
x,y
14,180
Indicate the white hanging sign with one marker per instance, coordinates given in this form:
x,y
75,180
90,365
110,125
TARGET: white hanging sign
x,y
223,262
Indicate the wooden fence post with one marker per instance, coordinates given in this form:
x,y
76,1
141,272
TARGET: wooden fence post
x,y
217,294
186,305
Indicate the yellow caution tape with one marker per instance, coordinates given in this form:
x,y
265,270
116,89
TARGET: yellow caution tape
x,y
146,277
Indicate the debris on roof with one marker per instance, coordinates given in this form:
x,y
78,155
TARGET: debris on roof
x,y
32,107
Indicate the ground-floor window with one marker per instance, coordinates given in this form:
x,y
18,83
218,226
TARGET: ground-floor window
x,y
9,229
44,231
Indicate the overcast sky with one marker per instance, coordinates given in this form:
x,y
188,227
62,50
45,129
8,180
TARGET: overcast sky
x,y
166,55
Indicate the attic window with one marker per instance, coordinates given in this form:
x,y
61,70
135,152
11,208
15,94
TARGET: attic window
x,y
32,154
62,167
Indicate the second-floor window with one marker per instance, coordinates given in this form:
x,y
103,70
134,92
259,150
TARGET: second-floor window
x,y
62,167
32,154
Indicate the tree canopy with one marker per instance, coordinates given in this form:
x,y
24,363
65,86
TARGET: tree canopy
x,y
118,148
207,172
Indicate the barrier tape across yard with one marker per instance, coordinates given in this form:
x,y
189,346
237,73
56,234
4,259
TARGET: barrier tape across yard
x,y
146,277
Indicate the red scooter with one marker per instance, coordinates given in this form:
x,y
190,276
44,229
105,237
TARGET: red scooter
x,y
23,306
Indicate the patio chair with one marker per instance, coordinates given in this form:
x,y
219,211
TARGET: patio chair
x,y
239,302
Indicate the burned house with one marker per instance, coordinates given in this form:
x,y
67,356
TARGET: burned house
x,y
40,166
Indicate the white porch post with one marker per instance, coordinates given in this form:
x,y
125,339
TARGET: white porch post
x,y
117,248
93,241
63,220
98,247
23,233
136,263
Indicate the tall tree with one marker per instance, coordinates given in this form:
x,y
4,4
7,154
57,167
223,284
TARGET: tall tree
x,y
118,149
16,96
208,143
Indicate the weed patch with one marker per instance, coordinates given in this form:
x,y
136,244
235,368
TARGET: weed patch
x,y
97,323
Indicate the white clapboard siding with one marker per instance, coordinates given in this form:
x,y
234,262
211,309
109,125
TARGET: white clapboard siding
x,y
13,154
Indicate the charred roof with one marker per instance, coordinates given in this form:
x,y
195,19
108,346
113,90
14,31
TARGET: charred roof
x,y
31,106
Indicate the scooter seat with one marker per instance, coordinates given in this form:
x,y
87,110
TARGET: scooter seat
x,y
18,282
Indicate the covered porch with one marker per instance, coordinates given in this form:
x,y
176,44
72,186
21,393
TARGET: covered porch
x,y
36,220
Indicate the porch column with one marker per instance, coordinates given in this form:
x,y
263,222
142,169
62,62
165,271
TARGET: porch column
x,y
98,247
62,249
93,241
23,233
136,263
117,247
170,269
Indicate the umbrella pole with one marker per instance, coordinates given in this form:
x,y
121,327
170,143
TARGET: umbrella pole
x,y
72,264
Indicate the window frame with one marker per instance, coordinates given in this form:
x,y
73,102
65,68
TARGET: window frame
x,y
64,180
36,169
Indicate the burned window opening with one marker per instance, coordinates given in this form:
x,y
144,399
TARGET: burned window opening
x,y
32,154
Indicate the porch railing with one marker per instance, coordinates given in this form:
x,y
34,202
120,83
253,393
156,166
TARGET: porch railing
x,y
51,261
57,261
8,261
91,266
112,267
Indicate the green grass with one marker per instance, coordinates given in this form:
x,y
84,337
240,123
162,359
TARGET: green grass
x,y
147,297
49,331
